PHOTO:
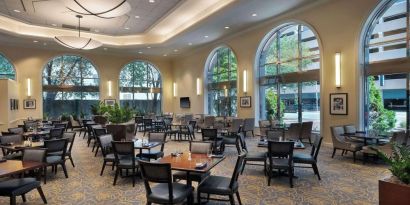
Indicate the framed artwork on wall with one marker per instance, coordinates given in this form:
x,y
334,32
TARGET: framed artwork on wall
x,y
29,104
110,102
245,102
338,104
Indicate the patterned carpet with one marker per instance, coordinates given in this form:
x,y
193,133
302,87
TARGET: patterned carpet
x,y
343,182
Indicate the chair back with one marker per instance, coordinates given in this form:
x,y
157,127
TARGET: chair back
x,y
235,126
123,149
74,123
158,137
30,124
306,130
99,131
60,125
70,136
337,135
209,121
156,173
56,133
275,134
281,149
294,131
35,155
248,124
209,134
188,117
104,142
16,139
200,147
240,143
264,125
147,122
317,143
399,137
350,129
238,167
57,145
139,119
16,130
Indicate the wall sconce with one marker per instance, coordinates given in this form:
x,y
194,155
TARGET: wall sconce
x,y
109,88
338,65
28,87
225,91
245,81
174,85
198,86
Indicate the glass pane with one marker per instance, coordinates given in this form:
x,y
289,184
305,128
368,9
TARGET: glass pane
x,y
6,69
288,43
289,99
387,100
311,103
269,106
310,50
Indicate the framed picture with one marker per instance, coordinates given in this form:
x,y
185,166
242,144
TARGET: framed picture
x,y
245,101
338,104
29,104
110,102
11,104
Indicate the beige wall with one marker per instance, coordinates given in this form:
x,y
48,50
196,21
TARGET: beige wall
x,y
338,25
30,62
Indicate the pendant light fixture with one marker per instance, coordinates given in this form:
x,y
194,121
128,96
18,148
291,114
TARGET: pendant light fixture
x,y
78,42
101,8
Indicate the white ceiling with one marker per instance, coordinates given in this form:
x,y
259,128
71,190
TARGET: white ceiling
x,y
53,13
237,15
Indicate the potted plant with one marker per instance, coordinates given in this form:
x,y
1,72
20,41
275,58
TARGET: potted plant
x,y
99,112
396,189
121,125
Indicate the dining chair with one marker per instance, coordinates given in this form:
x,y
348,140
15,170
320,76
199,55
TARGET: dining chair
x,y
70,136
104,142
311,159
16,130
250,156
98,132
124,154
275,134
306,131
15,139
74,124
156,154
264,125
56,133
223,186
280,157
211,135
340,142
19,187
294,131
248,126
165,190
139,123
35,155
148,125
55,155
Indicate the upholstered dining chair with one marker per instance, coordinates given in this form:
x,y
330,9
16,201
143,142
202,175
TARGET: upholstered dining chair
x,y
311,159
104,142
306,131
248,126
250,156
293,133
165,191
98,132
56,133
70,136
280,157
124,154
16,130
13,138
19,187
55,155
211,135
340,142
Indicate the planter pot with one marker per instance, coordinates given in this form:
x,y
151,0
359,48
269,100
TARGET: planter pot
x,y
392,191
100,119
123,131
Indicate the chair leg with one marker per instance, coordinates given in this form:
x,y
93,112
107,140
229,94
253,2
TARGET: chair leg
x,y
23,196
64,169
239,198
117,171
102,169
253,135
133,177
243,167
231,199
45,174
334,151
12,200
71,160
198,197
316,170
269,176
96,151
40,191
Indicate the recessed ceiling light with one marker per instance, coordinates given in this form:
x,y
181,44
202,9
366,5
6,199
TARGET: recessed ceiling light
x,y
137,17
254,14
17,11
176,50
165,55
35,41
96,30
140,52
53,24
190,44
227,27
148,46
105,49
127,28
44,44
151,1
206,36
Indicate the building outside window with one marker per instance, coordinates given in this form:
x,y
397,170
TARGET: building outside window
x,y
221,83
6,69
70,86
140,87
289,76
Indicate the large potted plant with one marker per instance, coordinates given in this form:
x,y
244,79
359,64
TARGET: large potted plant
x,y
121,125
99,112
395,189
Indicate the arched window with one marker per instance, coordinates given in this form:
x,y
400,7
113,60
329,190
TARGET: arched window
x,y
387,67
70,86
289,74
140,87
6,69
221,82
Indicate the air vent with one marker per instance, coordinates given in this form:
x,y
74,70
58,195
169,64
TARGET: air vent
x,y
75,27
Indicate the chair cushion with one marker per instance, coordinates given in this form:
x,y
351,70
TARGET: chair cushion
x,y
217,185
109,157
53,159
160,193
303,158
16,187
280,163
195,176
127,163
229,140
255,156
59,153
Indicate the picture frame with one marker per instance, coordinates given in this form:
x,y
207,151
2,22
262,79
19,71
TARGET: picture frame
x,y
110,102
29,104
338,103
245,102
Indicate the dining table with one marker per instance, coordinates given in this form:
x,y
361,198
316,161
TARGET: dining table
x,y
192,163
142,144
10,167
365,137
13,147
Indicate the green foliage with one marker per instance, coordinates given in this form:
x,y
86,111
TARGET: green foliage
x,y
399,162
65,117
117,114
271,105
380,119
98,109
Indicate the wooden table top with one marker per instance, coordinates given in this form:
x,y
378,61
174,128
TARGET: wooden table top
x,y
20,146
16,166
183,163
